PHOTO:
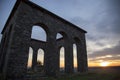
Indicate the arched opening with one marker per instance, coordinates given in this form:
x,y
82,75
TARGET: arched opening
x,y
75,57
78,43
59,36
40,56
38,33
62,59
30,56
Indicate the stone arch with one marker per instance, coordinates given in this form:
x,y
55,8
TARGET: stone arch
x,y
59,36
41,28
80,54
20,40
62,33
36,33
66,42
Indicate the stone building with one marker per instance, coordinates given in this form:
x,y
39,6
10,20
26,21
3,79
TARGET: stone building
x,y
16,40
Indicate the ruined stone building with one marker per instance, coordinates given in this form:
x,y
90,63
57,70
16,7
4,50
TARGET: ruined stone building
x,y
16,40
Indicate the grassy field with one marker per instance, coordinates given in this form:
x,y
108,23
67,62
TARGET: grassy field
x,y
93,74
101,74
88,76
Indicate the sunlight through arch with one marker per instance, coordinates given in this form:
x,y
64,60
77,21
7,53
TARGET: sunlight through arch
x,y
62,58
30,56
75,56
40,56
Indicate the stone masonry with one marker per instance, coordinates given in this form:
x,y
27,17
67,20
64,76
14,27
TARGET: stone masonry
x,y
16,40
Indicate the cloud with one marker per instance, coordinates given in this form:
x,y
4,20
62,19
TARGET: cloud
x,y
108,20
109,23
115,50
105,58
94,38
103,27
79,21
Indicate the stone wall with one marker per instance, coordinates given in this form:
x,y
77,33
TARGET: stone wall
x,y
26,16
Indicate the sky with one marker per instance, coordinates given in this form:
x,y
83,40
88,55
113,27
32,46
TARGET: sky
x,y
100,18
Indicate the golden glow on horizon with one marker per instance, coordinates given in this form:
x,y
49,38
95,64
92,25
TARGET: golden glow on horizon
x,y
97,63
92,62
104,64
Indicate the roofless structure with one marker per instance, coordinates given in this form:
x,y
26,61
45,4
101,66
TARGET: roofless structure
x,y
16,40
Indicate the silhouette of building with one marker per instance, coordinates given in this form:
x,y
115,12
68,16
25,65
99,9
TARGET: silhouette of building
x,y
16,40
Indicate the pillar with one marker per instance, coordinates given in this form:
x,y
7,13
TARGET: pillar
x,y
34,60
58,60
68,57
50,57
82,57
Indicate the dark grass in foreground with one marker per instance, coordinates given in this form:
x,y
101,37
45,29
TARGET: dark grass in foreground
x,y
94,73
88,76
97,73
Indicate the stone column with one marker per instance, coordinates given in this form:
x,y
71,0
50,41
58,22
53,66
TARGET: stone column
x,y
82,57
68,57
51,62
58,60
34,60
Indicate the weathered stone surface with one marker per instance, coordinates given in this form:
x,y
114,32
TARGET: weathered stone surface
x,y
16,41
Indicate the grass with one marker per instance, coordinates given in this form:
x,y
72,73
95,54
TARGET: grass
x,y
102,75
91,75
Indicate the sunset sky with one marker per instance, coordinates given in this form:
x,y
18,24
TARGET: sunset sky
x,y
100,18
